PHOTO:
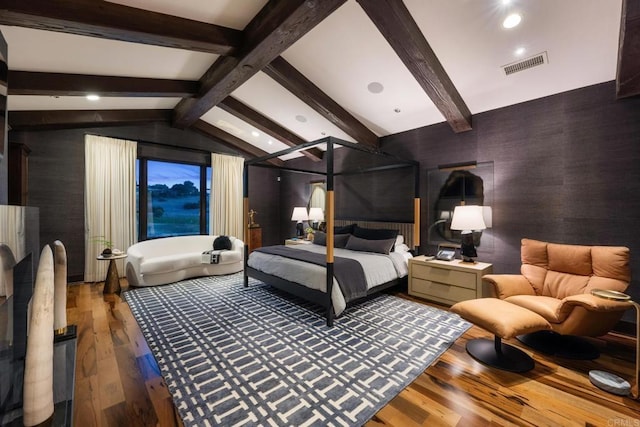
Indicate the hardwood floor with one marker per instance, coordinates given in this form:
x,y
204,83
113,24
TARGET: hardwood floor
x,y
118,382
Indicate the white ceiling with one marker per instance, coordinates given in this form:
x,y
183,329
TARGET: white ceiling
x,y
345,53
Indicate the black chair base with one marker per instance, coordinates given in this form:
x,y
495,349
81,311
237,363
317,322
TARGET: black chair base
x,y
498,355
566,346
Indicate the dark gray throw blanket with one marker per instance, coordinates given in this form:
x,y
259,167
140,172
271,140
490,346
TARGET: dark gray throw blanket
x,y
348,272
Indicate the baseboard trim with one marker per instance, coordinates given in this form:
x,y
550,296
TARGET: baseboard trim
x,y
75,278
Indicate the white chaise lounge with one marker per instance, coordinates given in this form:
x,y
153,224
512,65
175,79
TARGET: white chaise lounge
x,y
171,259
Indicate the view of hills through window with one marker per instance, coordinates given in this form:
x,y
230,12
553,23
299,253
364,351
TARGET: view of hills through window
x,y
173,199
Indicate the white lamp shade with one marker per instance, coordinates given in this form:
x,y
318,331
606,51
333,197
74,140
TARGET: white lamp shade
x,y
299,214
316,214
487,216
468,218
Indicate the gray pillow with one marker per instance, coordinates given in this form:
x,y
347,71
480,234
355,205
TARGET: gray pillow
x,y
339,240
382,246
374,233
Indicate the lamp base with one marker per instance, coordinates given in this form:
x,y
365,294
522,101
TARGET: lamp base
x,y
299,229
468,260
610,382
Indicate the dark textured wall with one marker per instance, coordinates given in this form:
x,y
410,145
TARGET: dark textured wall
x,y
566,169
264,198
56,177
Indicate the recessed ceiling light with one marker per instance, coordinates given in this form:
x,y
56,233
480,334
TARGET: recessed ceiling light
x,y
255,133
520,51
323,133
301,119
396,110
375,87
93,97
512,20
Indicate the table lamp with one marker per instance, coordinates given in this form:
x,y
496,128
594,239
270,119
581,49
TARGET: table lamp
x,y
299,214
316,215
468,218
608,381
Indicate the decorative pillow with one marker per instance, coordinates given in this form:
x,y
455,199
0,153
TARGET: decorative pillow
x,y
339,240
346,229
320,238
375,233
401,248
381,246
221,243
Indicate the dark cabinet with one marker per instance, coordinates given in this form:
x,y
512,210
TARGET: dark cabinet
x,y
255,238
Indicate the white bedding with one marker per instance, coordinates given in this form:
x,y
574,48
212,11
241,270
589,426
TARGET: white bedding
x,y
378,269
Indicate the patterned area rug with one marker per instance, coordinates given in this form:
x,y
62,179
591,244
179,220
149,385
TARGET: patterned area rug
x,y
255,356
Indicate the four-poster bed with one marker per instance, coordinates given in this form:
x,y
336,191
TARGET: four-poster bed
x,y
323,297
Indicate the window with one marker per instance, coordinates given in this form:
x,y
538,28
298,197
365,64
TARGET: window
x,y
170,199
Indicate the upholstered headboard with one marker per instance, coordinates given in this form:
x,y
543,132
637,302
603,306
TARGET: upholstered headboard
x,y
404,228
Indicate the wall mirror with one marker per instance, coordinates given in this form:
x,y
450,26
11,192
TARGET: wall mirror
x,y
316,200
318,195
448,187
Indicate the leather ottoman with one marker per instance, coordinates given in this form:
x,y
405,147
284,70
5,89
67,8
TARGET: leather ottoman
x,y
505,321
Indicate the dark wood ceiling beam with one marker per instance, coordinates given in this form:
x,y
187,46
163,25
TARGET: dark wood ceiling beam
x,y
70,119
628,73
58,84
276,27
231,141
292,80
117,22
403,34
266,125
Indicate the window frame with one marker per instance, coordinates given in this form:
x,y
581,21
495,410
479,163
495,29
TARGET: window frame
x,y
143,182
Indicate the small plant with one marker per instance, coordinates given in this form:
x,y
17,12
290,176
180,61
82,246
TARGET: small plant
x,y
309,230
108,244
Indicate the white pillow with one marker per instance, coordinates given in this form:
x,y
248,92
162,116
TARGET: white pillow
x,y
401,248
399,240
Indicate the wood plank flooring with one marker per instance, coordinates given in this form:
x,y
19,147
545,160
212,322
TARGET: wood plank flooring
x,y
119,384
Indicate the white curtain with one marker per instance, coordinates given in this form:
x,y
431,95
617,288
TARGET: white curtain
x,y
225,205
110,200
12,234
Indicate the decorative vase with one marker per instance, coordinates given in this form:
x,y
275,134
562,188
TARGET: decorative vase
x,y
60,285
310,236
38,366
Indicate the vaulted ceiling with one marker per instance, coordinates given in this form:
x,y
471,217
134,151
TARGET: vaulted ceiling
x,y
263,75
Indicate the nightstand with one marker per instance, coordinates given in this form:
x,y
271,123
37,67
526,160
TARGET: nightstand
x,y
255,238
447,282
290,242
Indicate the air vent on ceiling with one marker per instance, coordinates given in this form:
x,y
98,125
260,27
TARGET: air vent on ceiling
x,y
525,64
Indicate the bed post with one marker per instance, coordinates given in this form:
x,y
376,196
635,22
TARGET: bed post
x,y
416,208
245,217
329,215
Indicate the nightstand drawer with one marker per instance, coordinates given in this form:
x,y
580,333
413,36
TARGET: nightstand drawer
x,y
443,291
444,275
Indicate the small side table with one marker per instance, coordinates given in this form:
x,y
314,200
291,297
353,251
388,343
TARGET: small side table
x,y
112,281
611,382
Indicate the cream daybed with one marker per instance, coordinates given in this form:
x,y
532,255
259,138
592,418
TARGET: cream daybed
x,y
171,259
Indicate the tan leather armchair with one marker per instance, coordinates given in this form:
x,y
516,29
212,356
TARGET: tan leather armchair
x,y
556,282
